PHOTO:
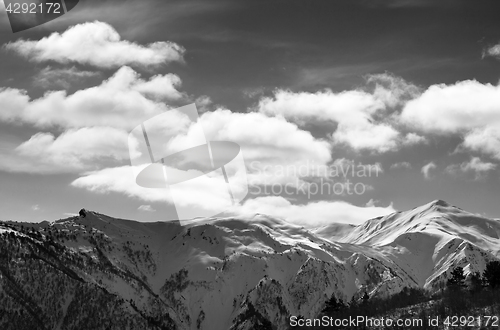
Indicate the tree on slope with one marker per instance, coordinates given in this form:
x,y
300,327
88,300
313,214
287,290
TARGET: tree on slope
x,y
457,279
492,274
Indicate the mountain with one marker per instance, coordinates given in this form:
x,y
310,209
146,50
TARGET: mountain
x,y
99,272
427,240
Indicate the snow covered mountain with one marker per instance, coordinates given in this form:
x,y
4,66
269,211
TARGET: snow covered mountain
x,y
99,272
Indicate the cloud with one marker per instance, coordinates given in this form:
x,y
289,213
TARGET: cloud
x,y
35,207
122,101
202,193
401,165
160,87
119,180
264,141
413,139
392,90
454,108
268,143
265,138
146,208
493,51
363,119
379,138
75,150
468,109
203,103
426,169
86,142
485,140
348,167
61,78
98,44
351,110
314,214
303,107
475,165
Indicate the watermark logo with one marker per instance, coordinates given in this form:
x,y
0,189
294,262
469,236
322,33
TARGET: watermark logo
x,y
25,14
309,180
170,151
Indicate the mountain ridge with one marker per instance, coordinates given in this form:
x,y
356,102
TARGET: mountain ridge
x,y
232,273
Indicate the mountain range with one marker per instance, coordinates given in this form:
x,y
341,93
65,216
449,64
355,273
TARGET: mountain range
x,y
98,272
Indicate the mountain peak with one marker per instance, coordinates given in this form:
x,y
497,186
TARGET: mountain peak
x,y
439,202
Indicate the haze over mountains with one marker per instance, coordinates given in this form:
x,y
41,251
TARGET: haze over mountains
x,y
99,272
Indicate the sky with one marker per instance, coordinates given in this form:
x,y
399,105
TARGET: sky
x,y
405,92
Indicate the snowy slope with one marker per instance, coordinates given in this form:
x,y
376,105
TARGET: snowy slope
x,y
230,273
427,240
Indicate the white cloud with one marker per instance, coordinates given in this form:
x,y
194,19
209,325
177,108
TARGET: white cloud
x,y
454,108
202,193
372,202
98,44
467,108
35,207
314,214
401,165
267,143
413,139
203,103
84,143
380,138
121,101
493,51
61,78
363,119
74,150
160,87
486,140
351,110
392,90
146,208
349,106
265,138
119,180
426,169
475,165
264,142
